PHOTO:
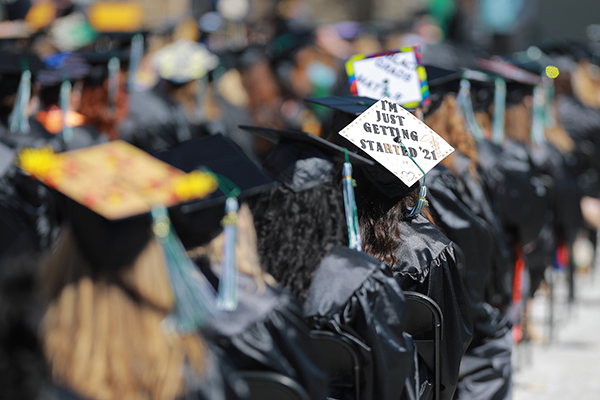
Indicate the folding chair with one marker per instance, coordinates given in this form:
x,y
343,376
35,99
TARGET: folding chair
x,y
423,320
266,385
341,361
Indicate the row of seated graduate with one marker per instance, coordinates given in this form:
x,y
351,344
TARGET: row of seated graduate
x,y
497,203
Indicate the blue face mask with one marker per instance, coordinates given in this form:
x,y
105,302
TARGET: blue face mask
x,y
321,75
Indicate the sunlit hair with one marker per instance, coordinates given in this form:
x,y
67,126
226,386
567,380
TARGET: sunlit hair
x,y
447,122
296,230
518,121
245,250
94,106
586,83
102,332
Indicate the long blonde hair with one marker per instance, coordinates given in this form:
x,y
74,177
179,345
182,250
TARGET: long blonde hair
x,y
245,250
102,332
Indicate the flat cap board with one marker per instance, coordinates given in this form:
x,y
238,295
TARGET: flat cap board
x,y
376,132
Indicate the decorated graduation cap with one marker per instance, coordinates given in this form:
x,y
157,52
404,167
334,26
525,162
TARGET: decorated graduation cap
x,y
199,221
404,148
116,197
301,161
184,61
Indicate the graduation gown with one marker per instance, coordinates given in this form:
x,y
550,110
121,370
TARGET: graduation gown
x,y
427,263
355,295
583,125
490,327
267,332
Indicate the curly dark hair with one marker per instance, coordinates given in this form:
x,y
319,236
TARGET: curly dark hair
x,y
296,230
379,219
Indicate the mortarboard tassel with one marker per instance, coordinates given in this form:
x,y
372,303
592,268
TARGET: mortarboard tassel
x,y
227,297
18,119
539,109
499,109
194,297
422,199
135,58
354,240
65,105
464,102
114,69
550,119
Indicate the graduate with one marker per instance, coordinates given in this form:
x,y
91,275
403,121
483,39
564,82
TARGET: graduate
x,y
124,304
421,257
303,244
260,327
462,210
164,116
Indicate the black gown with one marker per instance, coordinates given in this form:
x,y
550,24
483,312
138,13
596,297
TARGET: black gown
x,y
427,263
355,295
267,332
486,366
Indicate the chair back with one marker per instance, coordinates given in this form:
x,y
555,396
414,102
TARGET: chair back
x,y
423,320
266,385
341,362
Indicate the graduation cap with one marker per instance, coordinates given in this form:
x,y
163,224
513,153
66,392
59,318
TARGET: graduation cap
x,y
346,108
116,197
301,160
61,66
519,82
441,82
184,61
199,221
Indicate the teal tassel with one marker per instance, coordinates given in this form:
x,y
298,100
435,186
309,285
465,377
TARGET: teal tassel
x,y
499,109
539,108
227,298
549,117
114,68
194,297
65,105
466,106
354,239
135,58
422,199
19,122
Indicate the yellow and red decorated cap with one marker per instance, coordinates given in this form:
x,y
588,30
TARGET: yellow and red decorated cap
x,y
110,190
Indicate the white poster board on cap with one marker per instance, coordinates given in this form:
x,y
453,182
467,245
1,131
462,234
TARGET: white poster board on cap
x,y
397,75
374,132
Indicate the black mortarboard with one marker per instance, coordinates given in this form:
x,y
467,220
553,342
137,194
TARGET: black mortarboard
x,y
61,66
441,82
346,108
482,89
12,65
300,160
519,82
198,222
108,191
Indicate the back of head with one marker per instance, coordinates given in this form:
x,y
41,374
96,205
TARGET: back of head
x,y
296,230
102,333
